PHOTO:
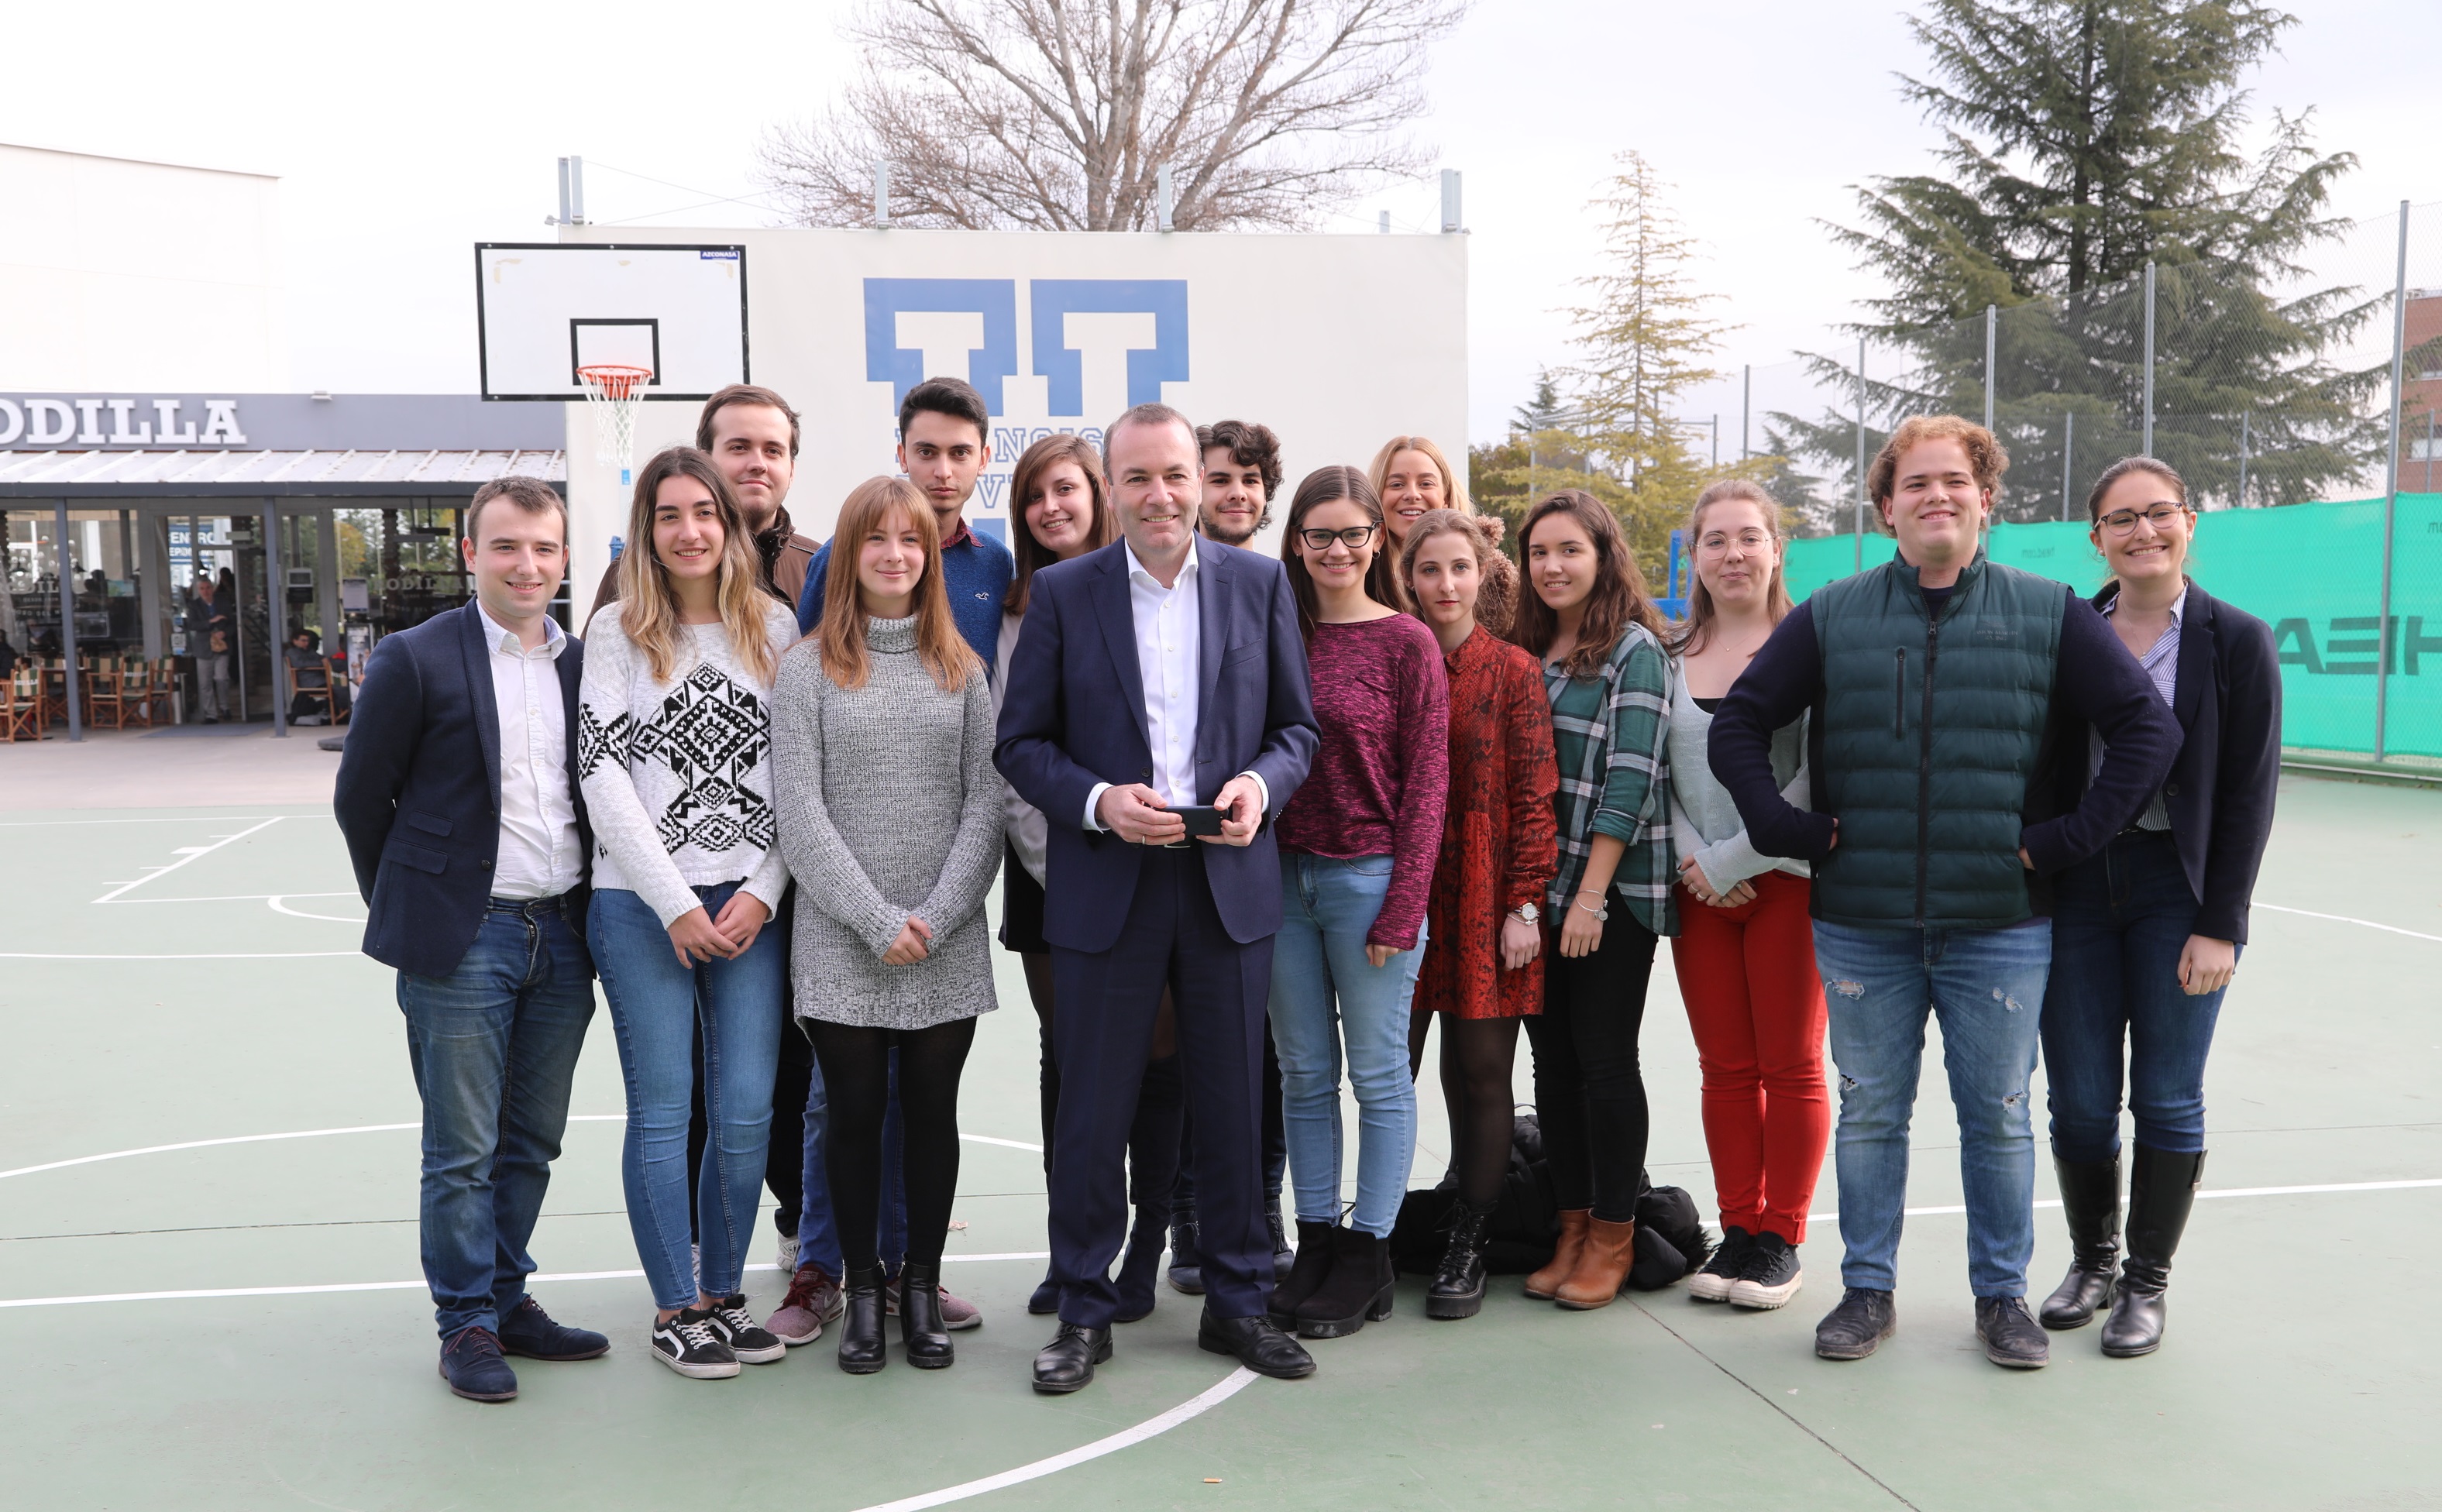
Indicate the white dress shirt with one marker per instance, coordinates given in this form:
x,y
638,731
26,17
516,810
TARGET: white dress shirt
x,y
1170,638
540,856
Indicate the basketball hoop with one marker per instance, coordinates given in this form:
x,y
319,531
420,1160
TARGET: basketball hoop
x,y
613,391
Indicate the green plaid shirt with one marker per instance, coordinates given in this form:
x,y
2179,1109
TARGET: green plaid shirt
x,y
1610,733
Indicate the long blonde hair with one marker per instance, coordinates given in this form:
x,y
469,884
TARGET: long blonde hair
x,y
840,639
648,609
1479,531
1453,487
1690,637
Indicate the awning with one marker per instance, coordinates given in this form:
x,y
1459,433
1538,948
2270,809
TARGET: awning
x,y
87,475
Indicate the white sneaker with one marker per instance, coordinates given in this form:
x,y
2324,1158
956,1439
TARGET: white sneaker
x,y
788,1254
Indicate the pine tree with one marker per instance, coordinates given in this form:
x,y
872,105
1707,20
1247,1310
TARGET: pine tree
x,y
2081,139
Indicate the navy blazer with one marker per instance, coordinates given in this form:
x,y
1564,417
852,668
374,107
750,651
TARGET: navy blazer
x,y
419,790
1073,715
2221,790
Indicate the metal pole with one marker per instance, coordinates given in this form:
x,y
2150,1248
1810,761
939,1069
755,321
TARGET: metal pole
x,y
67,620
1992,320
2148,447
1717,441
2390,483
1162,201
275,592
2069,458
1746,407
882,195
1861,454
2242,458
2429,451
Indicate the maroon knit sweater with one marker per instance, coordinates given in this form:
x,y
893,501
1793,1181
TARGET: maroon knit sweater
x,y
1382,776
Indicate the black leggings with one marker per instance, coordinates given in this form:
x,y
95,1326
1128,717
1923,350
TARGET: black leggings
x,y
1589,1090
1477,1055
856,1074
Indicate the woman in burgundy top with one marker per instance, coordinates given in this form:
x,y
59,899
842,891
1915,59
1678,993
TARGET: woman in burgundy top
x,y
1357,841
1483,971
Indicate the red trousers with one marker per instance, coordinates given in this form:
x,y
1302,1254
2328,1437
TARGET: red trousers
x,y
1755,1003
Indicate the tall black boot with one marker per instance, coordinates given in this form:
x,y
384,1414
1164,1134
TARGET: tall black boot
x,y
2161,1192
862,1349
2090,1199
1458,1285
1138,1267
919,1315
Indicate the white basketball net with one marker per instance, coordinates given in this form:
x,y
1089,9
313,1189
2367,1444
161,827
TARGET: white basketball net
x,y
613,392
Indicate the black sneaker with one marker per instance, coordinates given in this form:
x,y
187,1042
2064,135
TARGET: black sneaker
x,y
2011,1337
1713,1283
1858,1327
1770,1276
687,1344
749,1341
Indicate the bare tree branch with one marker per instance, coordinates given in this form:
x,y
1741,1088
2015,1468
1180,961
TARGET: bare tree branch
x,y
1056,115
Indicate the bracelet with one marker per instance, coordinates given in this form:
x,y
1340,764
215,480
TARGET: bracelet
x,y
1602,914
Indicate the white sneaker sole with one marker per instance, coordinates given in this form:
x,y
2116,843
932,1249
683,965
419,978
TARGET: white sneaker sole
x,y
793,1341
1762,1298
1706,1286
718,1371
761,1356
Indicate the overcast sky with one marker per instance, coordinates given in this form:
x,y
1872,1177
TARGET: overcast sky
x,y
403,133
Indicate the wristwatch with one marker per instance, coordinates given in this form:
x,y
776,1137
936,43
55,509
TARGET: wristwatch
x,y
1527,913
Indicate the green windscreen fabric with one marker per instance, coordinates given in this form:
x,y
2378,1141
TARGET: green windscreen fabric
x,y
2312,571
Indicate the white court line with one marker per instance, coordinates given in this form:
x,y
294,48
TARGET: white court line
x,y
196,853
1204,1401
279,905
190,818
262,955
2224,1191
2343,919
239,897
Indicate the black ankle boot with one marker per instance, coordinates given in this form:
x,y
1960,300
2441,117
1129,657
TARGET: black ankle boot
x,y
862,1349
2090,1199
1144,1258
920,1316
2162,1191
1186,1264
1458,1285
1359,1290
1306,1271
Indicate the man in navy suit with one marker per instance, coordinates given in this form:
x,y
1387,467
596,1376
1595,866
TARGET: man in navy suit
x,y
1159,672
458,797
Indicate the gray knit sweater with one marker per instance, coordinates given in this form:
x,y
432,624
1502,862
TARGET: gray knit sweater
x,y
889,806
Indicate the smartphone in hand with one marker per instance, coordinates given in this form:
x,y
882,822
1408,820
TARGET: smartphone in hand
x,y
1201,820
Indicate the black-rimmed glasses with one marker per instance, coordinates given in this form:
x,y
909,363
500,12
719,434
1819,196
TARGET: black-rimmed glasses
x,y
1353,537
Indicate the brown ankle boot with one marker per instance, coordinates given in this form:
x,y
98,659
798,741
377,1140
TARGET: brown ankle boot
x,y
1544,1285
1610,1248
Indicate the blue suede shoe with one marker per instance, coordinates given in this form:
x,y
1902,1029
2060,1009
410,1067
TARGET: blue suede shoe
x,y
471,1362
529,1331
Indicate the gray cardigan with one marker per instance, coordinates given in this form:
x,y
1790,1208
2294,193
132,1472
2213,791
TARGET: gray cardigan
x,y
889,806
1705,821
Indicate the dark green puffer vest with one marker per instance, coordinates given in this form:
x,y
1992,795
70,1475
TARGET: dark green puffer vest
x,y
1930,734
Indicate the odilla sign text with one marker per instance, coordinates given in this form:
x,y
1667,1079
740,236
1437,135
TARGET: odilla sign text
x,y
118,420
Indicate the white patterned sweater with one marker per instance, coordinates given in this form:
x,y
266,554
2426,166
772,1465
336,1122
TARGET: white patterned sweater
x,y
678,775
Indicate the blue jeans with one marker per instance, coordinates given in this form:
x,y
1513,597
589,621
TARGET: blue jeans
x,y
494,1047
655,1003
818,1240
2120,922
1325,994
1986,985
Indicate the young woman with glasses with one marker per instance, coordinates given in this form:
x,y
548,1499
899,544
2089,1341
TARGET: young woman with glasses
x,y
1357,842
2146,935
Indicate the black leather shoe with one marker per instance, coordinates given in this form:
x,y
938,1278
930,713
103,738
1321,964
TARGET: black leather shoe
x,y
1282,1258
1309,1269
529,1331
1137,1268
2011,1339
1857,1327
2091,1200
1186,1262
1067,1362
862,1349
1257,1342
920,1316
1360,1290
1458,1285
2161,1189
471,1363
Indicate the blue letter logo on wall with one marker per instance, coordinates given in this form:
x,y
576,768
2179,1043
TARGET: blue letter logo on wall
x,y
1050,301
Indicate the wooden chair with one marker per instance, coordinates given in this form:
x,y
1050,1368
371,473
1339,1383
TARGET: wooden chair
x,y
106,705
135,695
20,704
54,672
291,690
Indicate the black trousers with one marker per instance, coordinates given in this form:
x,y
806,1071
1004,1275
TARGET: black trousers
x,y
1102,1029
1276,1141
1589,1087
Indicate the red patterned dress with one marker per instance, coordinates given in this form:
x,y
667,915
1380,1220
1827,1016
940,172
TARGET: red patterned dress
x,y
1498,845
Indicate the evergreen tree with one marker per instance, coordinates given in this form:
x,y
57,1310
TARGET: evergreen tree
x,y
2081,139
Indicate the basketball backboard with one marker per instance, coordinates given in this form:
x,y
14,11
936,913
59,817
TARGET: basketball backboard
x,y
545,309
